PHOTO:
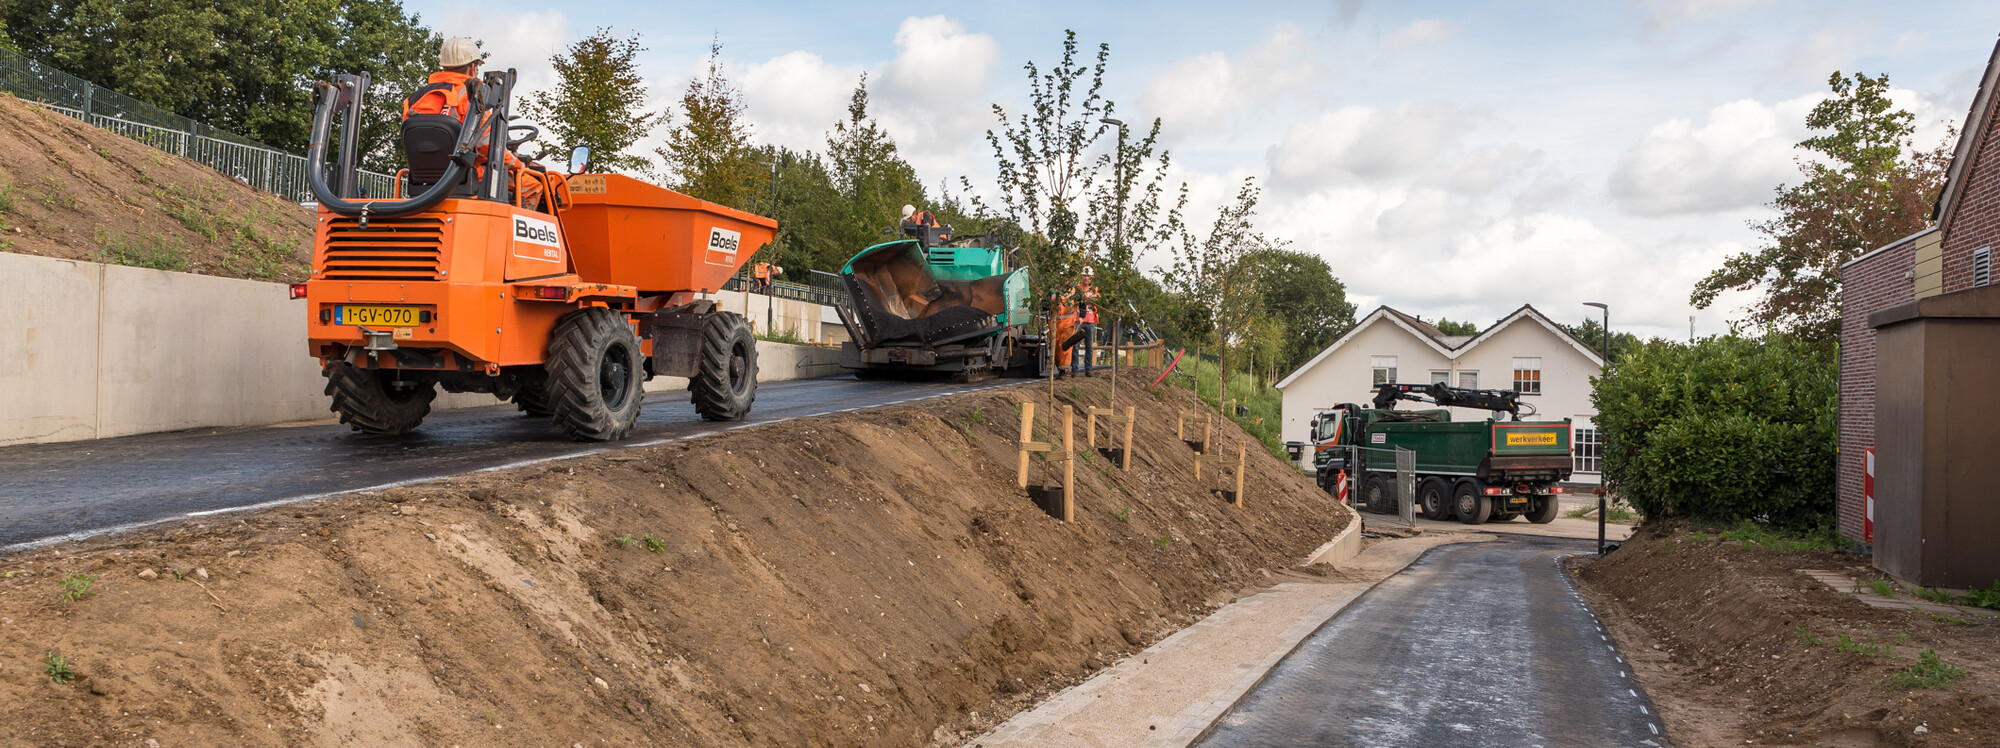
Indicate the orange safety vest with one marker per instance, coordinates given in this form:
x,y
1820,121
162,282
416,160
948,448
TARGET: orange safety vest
x,y
445,93
763,271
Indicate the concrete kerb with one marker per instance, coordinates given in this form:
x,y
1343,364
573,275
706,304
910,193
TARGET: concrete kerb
x,y
1344,546
1173,693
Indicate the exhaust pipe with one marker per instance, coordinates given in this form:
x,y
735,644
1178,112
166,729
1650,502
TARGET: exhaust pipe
x,y
347,91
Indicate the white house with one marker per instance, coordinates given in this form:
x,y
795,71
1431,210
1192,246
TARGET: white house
x,y
1524,352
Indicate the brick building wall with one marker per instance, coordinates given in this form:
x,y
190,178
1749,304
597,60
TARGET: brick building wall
x,y
1975,222
1876,282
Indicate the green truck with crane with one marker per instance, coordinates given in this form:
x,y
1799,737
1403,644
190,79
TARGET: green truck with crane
x,y
1475,471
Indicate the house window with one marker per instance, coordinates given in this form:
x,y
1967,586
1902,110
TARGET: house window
x,y
1588,448
1982,266
1385,369
1468,380
1441,377
1528,376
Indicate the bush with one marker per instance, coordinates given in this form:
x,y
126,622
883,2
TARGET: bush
x,y
1726,429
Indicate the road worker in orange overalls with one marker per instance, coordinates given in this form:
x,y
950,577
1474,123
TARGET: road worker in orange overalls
x,y
1064,329
445,93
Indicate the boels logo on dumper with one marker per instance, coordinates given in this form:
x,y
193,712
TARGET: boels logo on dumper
x,y
722,245
536,239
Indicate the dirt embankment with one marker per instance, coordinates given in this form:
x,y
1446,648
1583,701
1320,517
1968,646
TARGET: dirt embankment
x,y
78,192
1737,647
864,579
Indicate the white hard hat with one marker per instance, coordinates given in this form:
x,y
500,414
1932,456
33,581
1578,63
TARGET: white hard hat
x,y
457,51
909,210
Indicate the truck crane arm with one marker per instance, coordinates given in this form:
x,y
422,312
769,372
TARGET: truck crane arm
x,y
1498,401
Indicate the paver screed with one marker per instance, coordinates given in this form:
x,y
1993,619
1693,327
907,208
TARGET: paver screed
x,y
1473,645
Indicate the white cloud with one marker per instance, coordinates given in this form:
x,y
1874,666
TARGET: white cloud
x,y
932,97
1672,12
792,100
1425,31
523,41
1366,143
1733,160
1208,91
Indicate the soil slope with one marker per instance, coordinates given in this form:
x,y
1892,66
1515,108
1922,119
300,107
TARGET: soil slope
x,y
1737,646
872,578
71,190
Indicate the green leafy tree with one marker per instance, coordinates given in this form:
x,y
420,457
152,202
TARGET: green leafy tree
x,y
1591,333
1449,327
812,214
1861,191
1725,429
1307,306
1217,291
873,179
237,65
709,155
597,102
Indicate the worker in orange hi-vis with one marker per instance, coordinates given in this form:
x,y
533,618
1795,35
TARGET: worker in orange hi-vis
x,y
1086,293
1064,329
762,272
444,93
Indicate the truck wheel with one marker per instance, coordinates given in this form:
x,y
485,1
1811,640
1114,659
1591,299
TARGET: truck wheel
x,y
595,382
1545,512
372,404
1431,495
1472,505
1376,498
726,383
533,396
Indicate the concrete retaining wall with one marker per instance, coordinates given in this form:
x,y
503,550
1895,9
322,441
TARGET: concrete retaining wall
x,y
89,351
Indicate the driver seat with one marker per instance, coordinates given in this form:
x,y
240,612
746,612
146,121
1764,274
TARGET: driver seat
x,y
429,137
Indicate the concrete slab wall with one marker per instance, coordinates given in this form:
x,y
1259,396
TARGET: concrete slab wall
x,y
94,351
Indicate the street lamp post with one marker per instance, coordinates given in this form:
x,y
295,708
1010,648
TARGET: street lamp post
x,y
1606,351
1117,241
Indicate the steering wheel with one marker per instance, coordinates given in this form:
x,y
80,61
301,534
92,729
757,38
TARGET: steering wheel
x,y
513,143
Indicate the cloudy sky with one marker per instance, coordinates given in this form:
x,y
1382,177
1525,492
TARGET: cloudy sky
x,y
1448,159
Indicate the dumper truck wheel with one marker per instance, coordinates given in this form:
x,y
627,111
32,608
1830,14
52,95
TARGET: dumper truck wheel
x,y
595,379
374,403
725,384
1545,512
1472,504
1433,496
533,396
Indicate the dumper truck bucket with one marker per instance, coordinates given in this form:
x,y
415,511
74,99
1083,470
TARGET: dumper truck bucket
x,y
897,298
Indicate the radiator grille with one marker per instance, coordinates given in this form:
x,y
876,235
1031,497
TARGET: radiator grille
x,y
388,249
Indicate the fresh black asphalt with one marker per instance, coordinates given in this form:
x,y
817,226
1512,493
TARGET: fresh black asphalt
x,y
1482,644
53,492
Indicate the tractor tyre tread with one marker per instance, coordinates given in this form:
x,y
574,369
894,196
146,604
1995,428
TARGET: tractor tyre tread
x,y
533,397
366,406
573,394
715,396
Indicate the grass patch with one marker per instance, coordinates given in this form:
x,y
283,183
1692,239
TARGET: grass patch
x,y
1988,598
788,336
1935,595
77,586
151,252
655,544
57,668
1871,648
978,416
56,194
1612,513
1929,672
1164,541
624,541
1882,587
1264,403
1756,535
1124,514
1950,620
1807,637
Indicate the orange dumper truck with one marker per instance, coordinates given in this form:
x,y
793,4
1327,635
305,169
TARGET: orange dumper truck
x,y
563,293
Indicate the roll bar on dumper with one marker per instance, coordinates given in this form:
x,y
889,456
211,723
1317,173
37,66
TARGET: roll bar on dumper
x,y
564,300
1472,470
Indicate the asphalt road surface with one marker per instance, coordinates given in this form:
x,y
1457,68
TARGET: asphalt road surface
x,y
55,492
1483,644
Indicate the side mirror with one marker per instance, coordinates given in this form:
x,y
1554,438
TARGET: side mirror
x,y
579,159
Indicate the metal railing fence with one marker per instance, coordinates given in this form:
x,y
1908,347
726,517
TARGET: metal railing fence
x,y
248,161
